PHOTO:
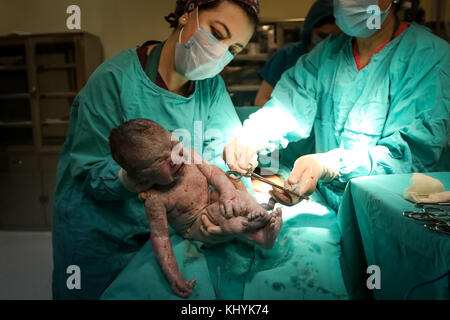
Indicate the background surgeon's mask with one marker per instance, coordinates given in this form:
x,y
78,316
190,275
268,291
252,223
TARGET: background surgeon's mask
x,y
202,57
354,18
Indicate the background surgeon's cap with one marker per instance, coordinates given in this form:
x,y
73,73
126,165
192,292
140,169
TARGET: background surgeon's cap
x,y
319,10
183,6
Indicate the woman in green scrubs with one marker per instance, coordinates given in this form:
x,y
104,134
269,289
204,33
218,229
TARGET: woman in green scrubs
x,y
99,224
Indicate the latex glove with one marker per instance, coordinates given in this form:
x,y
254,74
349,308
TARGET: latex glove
x,y
239,155
285,198
305,175
424,188
130,184
303,179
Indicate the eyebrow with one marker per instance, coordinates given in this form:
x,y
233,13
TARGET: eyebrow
x,y
228,32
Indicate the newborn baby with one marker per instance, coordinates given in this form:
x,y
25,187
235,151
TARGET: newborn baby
x,y
180,195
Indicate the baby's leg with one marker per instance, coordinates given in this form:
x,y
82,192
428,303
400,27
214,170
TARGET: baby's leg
x,y
231,226
257,216
258,226
266,236
195,232
255,224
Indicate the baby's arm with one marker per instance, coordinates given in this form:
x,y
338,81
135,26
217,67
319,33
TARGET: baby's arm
x,y
162,248
229,203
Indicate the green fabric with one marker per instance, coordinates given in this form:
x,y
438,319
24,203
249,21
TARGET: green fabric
x,y
374,232
152,64
304,264
391,117
98,225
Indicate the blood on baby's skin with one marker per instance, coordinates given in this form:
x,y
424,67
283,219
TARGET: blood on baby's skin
x,y
233,198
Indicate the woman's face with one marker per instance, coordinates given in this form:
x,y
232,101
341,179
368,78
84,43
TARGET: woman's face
x,y
228,22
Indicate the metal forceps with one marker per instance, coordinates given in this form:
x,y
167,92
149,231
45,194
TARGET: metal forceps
x,y
436,216
251,174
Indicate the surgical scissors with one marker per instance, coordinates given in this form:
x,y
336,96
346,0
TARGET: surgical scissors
x,y
251,174
438,228
436,215
444,205
427,213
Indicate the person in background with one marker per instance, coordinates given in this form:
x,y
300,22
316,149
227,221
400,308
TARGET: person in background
x,y
319,24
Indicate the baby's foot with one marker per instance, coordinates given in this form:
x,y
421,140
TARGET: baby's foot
x,y
256,219
270,232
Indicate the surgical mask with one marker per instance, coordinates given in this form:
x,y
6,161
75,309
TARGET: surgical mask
x,y
359,18
202,57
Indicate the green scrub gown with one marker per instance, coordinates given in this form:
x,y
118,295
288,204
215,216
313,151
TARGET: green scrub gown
x,y
390,117
98,225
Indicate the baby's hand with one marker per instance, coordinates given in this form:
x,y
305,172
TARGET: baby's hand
x,y
182,287
230,205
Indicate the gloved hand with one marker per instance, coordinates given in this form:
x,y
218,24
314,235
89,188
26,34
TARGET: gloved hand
x,y
285,198
304,177
131,185
239,155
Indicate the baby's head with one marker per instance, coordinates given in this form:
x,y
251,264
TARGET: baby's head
x,y
143,149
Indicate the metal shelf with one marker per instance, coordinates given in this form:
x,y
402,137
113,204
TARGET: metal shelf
x,y
69,66
13,68
56,95
20,149
14,96
46,71
16,124
47,122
